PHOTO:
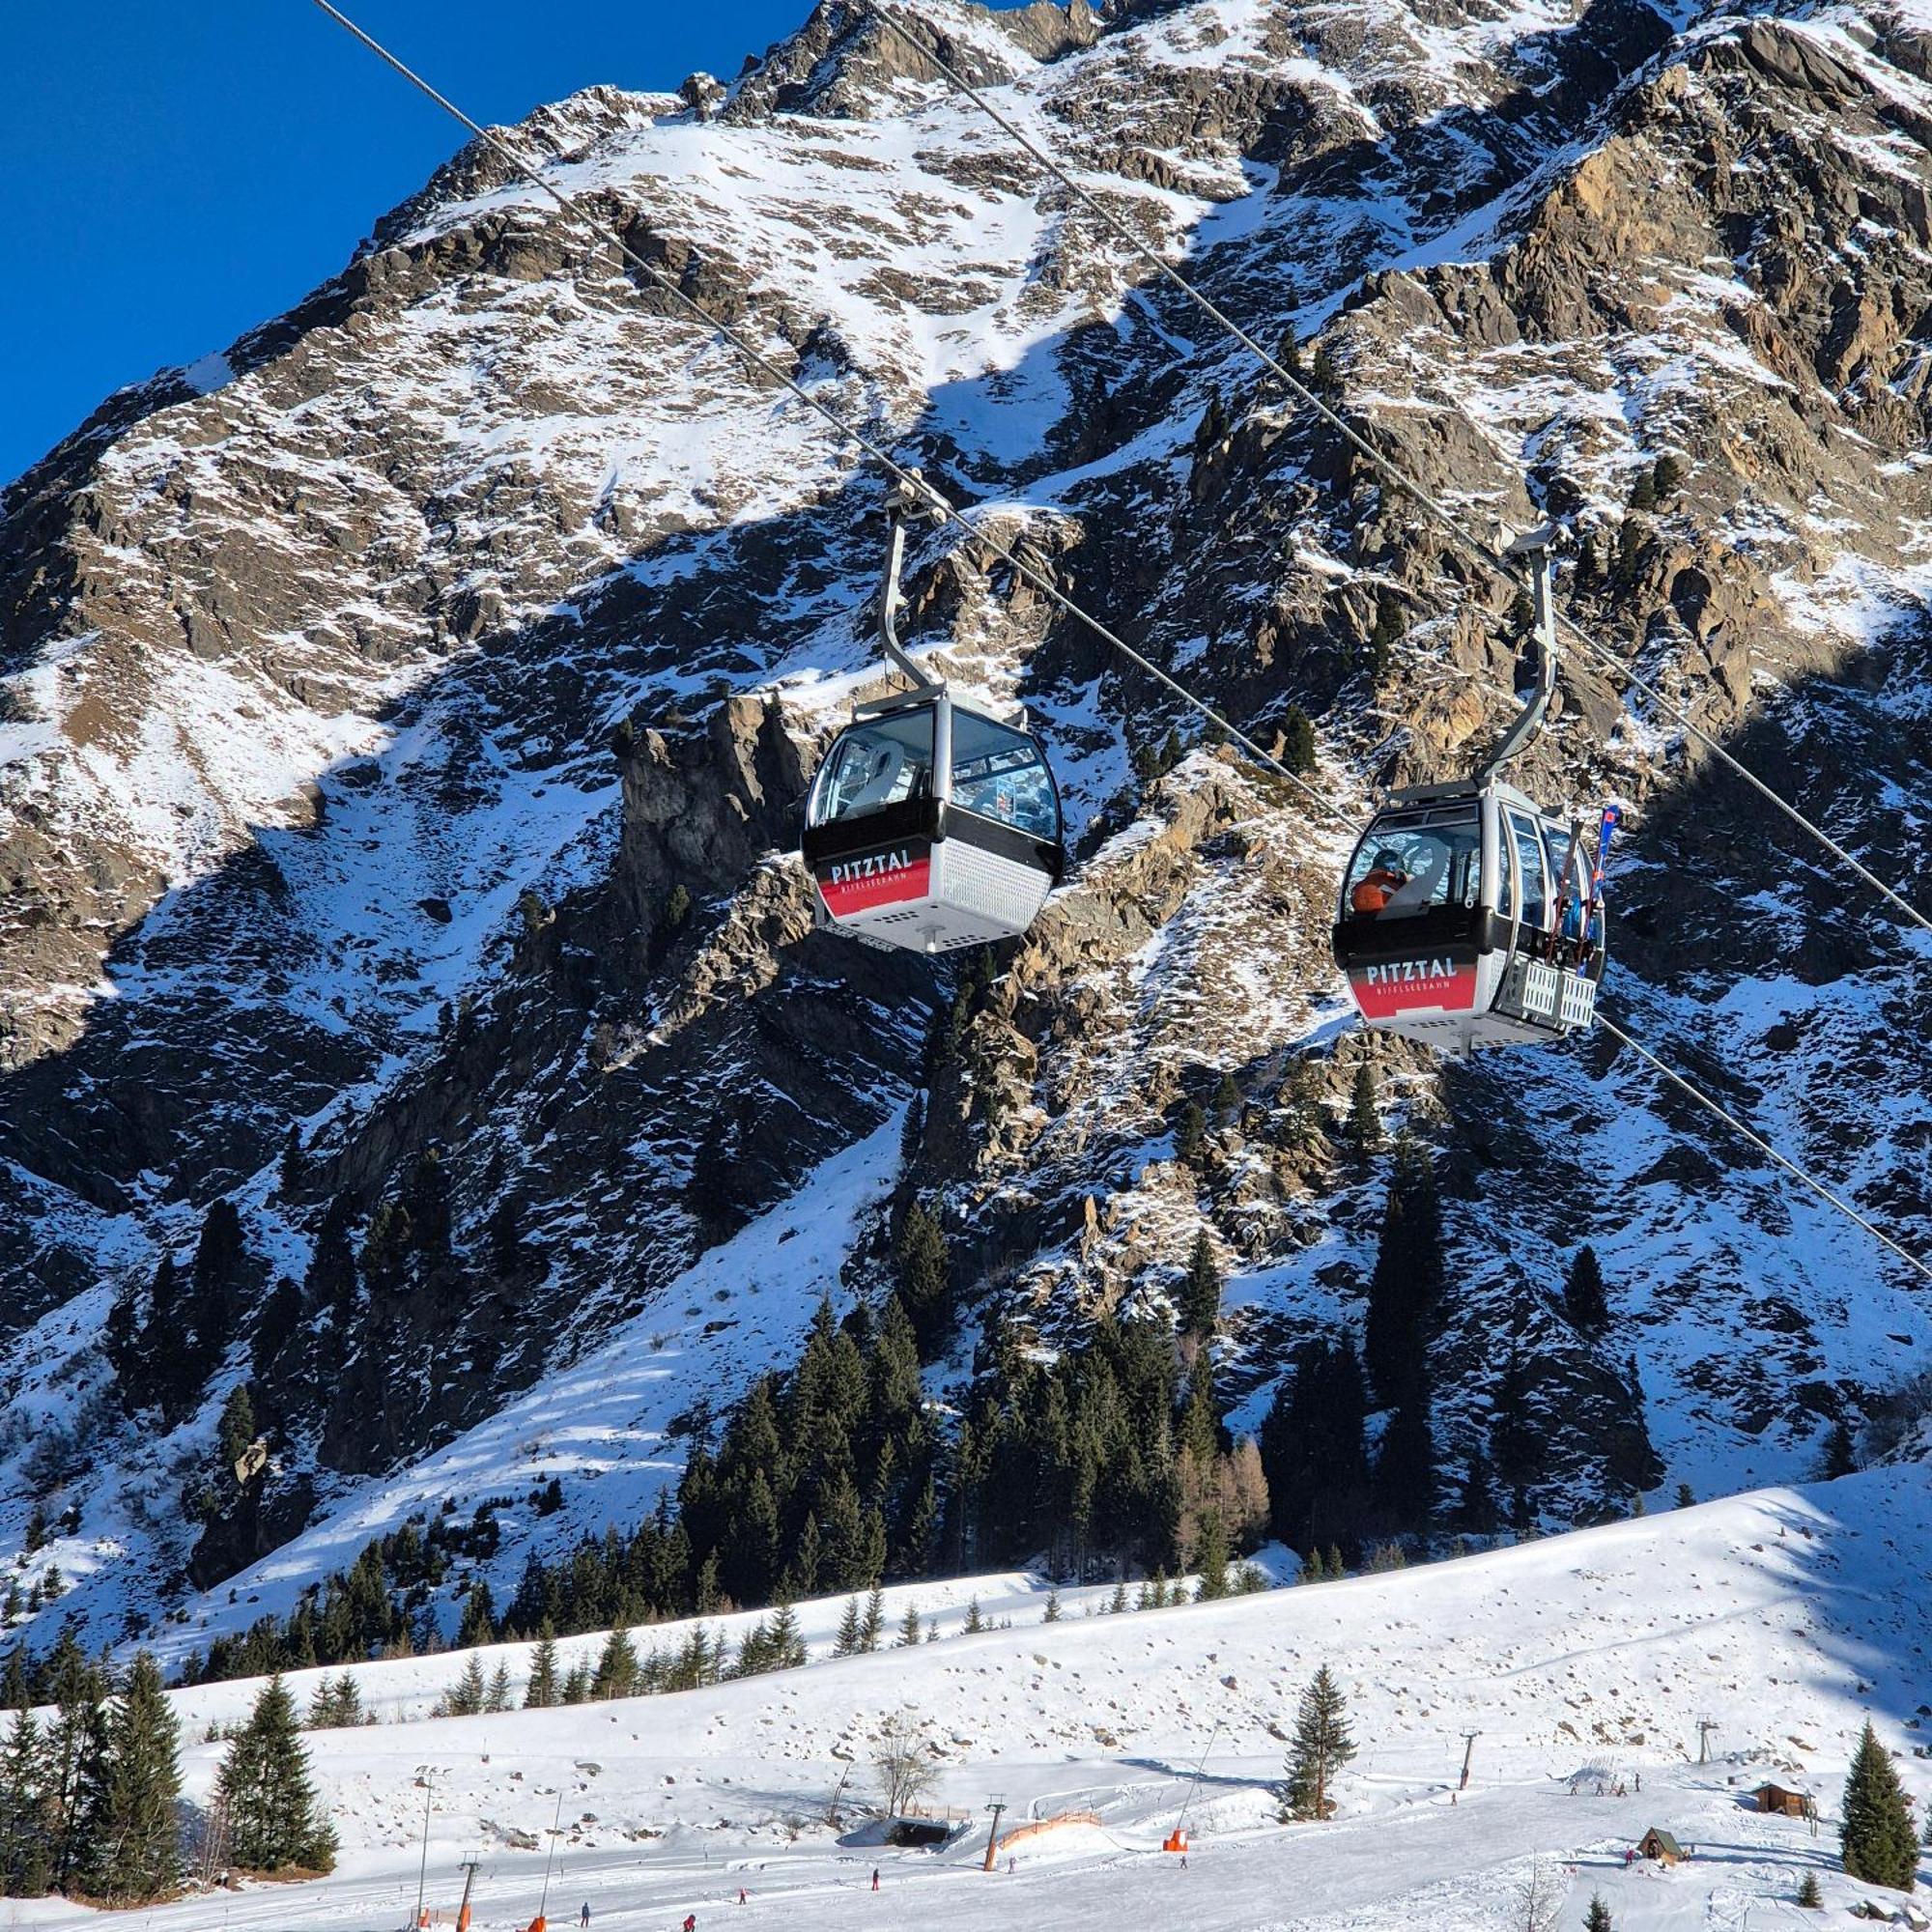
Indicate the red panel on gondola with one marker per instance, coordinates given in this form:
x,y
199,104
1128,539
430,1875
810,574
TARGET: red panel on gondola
x,y
871,879
1414,985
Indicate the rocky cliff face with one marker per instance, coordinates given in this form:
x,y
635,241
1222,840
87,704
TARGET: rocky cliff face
x,y
406,718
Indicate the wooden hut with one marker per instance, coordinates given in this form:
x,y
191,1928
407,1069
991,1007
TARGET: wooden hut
x,y
1782,1800
1658,1845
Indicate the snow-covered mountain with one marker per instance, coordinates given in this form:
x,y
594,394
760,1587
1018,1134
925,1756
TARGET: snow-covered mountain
x,y
378,693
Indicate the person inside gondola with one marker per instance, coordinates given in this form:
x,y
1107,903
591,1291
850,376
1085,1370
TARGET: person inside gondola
x,y
1426,886
1380,884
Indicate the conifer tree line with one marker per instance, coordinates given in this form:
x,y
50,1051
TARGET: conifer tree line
x,y
824,1480
1348,1445
835,1478
90,1792
1326,1485
381,1606
1107,1458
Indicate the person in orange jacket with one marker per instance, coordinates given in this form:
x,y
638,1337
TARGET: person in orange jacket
x,y
1386,878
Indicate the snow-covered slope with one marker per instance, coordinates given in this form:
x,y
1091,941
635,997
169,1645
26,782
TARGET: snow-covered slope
x,y
1785,1617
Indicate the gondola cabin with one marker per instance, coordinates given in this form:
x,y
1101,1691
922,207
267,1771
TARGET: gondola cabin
x,y
1469,919
932,825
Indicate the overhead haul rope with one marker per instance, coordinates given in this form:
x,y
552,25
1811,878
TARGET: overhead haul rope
x,y
765,367
1764,1147
1385,467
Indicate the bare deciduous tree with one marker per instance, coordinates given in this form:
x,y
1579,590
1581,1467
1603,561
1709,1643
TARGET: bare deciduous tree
x,y
1538,1899
902,1759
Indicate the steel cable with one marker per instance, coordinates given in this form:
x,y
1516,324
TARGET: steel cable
x,y
1391,472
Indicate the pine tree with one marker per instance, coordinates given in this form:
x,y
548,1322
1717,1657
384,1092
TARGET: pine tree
x,y
1051,1614
542,1691
923,1266
1365,1120
706,1593
872,1626
238,1426
1597,1918
275,1820
137,1836
498,1699
467,1696
1517,1440
24,1868
1200,1294
1687,1496
974,1622
1840,1454
1212,428
210,1308
1227,1100
336,1705
1584,1299
617,1668
1299,749
1809,1891
1877,1838
847,1643
788,1644
908,1627
1313,1448
1320,1747
1190,1136
1383,638
1408,1279
1405,1473
75,1750
1211,1559
292,1160
478,1625
1476,1510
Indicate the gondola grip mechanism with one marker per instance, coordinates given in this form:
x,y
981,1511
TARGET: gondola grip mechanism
x,y
1535,545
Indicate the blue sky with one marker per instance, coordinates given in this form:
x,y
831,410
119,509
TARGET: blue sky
x,y
173,174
